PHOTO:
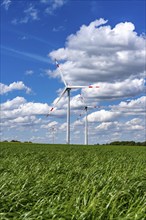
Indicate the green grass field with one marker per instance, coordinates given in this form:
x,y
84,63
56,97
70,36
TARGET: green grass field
x,y
42,182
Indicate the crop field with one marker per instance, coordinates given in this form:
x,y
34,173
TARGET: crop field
x,y
42,182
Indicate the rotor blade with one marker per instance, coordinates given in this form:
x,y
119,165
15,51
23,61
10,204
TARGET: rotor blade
x,y
80,87
93,87
60,97
58,66
82,99
80,115
92,106
77,87
85,105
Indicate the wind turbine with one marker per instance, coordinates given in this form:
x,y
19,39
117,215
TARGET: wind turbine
x,y
86,107
67,90
53,129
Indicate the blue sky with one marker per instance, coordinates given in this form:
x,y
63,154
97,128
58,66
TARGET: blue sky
x,y
96,42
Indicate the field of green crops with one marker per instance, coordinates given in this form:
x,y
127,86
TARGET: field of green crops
x,y
42,182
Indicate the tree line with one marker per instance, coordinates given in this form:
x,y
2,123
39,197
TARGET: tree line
x,y
129,143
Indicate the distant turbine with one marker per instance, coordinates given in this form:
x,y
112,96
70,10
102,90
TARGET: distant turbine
x,y
67,89
86,107
53,129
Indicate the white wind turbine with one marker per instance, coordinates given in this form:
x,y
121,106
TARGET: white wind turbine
x,y
67,89
85,108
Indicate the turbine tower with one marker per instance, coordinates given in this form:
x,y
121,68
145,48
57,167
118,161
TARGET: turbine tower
x,y
67,90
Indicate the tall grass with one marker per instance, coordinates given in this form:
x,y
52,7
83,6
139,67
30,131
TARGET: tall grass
x,y
42,182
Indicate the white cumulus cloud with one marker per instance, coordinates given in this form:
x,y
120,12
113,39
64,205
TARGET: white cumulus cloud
x,y
13,104
112,57
132,106
13,86
108,90
102,116
19,107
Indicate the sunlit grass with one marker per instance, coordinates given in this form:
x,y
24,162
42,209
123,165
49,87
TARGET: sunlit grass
x,y
72,182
